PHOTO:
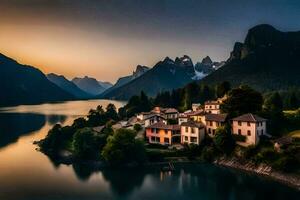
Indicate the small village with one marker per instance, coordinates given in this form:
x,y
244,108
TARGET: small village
x,y
169,127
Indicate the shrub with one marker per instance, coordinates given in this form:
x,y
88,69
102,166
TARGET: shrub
x,y
123,148
209,154
137,127
224,140
239,138
86,144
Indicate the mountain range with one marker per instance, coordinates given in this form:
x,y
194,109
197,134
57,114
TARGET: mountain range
x,y
139,71
267,60
68,86
165,75
22,84
90,85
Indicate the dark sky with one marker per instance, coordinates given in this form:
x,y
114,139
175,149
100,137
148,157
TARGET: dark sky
x,y
108,38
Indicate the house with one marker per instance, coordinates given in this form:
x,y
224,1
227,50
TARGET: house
x,y
171,113
196,106
161,133
197,116
192,132
214,121
251,126
143,115
154,118
212,107
182,118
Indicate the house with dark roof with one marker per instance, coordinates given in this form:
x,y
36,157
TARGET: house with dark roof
x,y
154,118
192,132
251,127
214,121
161,133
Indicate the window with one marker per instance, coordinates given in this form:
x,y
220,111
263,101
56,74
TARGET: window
x,y
193,130
186,129
154,139
249,133
153,130
239,123
166,132
186,138
210,123
214,131
262,131
194,139
248,123
240,132
209,131
166,140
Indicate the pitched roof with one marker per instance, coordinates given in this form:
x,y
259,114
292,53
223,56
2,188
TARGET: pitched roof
x,y
216,117
212,103
153,115
249,118
171,110
195,113
161,125
192,124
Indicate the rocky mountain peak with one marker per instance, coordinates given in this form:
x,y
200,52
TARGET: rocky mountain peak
x,y
207,61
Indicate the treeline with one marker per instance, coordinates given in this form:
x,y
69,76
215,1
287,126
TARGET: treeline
x,y
194,92
180,99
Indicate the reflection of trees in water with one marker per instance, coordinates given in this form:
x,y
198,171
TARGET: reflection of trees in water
x,y
124,181
56,119
14,125
83,172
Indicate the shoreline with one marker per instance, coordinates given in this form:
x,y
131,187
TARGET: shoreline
x,y
262,170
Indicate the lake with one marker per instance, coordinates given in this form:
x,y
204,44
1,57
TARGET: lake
x,y
26,174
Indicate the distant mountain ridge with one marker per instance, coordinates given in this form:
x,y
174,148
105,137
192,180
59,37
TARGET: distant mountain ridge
x,y
267,60
140,70
22,84
165,75
89,85
67,85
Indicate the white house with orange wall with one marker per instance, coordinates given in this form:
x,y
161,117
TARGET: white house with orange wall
x,y
192,132
251,126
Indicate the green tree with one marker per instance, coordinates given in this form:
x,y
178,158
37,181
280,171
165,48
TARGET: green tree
x,y
242,100
86,144
223,140
273,111
137,127
222,89
79,123
111,112
293,101
56,139
123,148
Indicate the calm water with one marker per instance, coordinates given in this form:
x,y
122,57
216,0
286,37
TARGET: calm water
x,y
28,174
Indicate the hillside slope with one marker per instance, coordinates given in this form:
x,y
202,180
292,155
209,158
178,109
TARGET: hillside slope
x,y
21,84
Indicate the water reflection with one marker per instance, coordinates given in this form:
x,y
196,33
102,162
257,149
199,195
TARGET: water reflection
x,y
56,119
14,125
124,181
26,174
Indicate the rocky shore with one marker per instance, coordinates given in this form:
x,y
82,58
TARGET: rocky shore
x,y
292,180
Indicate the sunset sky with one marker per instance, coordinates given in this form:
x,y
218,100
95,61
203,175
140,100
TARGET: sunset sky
x,y
106,39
